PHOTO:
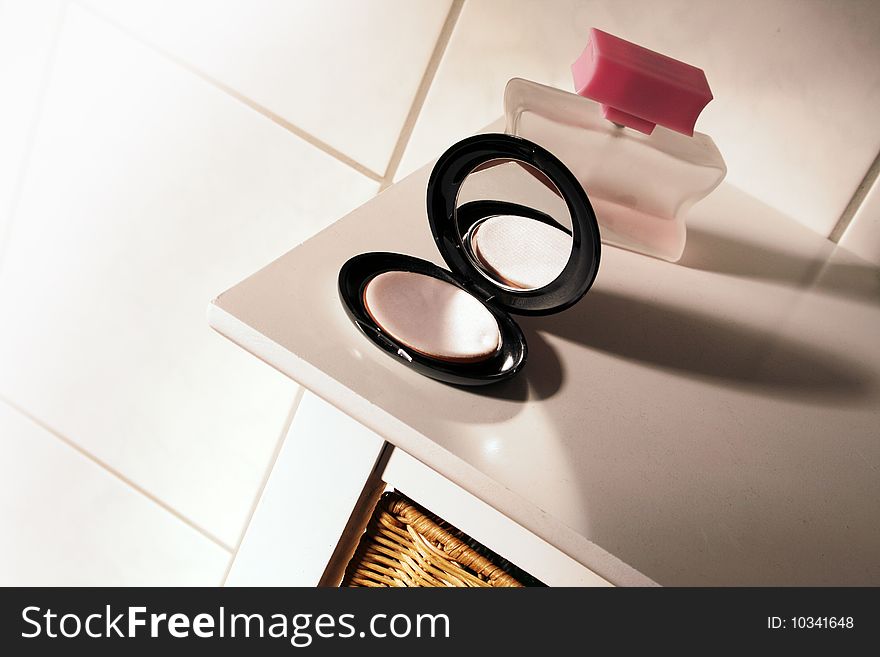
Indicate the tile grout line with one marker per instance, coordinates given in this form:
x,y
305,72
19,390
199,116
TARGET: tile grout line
x,y
32,129
229,91
424,87
855,202
294,407
115,473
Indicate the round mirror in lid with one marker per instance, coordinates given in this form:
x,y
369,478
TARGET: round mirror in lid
x,y
509,218
514,224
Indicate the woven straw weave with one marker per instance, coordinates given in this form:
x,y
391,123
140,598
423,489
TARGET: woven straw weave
x,y
405,546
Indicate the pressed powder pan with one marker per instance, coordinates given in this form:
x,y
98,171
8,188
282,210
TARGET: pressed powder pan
x,y
520,252
450,336
431,316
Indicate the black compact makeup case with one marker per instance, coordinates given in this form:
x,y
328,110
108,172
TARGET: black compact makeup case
x,y
452,223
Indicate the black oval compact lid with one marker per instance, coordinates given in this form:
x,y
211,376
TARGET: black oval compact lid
x,y
446,180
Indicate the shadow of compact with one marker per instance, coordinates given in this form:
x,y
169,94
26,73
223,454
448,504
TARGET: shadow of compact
x,y
702,346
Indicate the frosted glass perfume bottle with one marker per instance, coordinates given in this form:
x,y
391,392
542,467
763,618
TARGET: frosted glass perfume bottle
x,y
634,151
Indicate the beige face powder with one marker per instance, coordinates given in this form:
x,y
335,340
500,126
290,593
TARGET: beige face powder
x,y
432,317
521,252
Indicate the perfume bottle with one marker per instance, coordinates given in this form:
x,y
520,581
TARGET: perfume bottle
x,y
628,136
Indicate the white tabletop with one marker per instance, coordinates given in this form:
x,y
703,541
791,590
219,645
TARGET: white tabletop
x,y
709,422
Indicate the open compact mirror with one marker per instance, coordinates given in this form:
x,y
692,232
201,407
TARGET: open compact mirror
x,y
519,236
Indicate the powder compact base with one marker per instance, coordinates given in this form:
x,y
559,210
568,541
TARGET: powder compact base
x,y
520,238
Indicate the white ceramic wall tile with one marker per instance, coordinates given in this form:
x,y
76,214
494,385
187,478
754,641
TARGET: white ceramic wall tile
x,y
73,523
149,192
321,471
345,71
27,33
796,84
862,236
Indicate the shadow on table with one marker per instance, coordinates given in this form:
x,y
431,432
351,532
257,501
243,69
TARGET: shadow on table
x,y
698,344
730,255
701,346
737,255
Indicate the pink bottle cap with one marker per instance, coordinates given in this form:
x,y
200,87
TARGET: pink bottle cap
x,y
640,88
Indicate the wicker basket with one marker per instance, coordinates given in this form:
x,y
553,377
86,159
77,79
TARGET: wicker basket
x,y
405,545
